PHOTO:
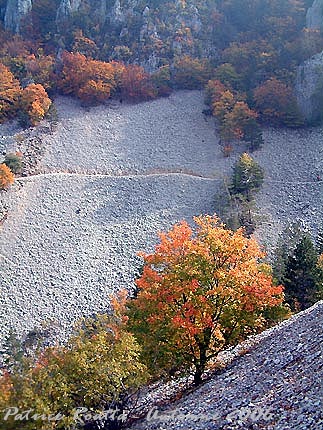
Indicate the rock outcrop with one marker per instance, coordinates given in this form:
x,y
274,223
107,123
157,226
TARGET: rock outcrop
x,y
309,81
15,12
66,8
309,87
314,16
150,31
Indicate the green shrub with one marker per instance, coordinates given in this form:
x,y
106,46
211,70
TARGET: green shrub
x,y
247,177
13,160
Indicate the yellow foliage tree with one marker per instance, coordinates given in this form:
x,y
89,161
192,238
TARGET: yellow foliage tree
x,y
97,370
6,177
9,93
35,103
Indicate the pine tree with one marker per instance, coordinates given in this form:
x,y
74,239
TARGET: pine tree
x,y
247,176
289,238
252,134
303,277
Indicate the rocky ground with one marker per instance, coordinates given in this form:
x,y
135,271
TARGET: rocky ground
x,y
107,179
275,385
293,163
125,173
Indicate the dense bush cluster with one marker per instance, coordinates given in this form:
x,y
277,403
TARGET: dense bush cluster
x,y
31,103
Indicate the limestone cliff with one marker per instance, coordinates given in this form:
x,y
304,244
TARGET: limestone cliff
x,y
314,16
309,87
309,81
150,30
15,12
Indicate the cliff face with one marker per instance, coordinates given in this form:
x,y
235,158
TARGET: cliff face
x,y
151,29
309,81
314,17
66,8
15,11
309,87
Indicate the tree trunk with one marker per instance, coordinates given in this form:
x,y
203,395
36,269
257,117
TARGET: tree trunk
x,y
198,375
200,366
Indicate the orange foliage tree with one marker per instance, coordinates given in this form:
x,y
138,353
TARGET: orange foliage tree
x,y
213,91
200,293
6,177
223,104
276,103
90,80
136,84
34,102
236,120
9,93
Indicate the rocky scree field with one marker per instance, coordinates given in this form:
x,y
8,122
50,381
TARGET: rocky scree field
x,y
276,384
108,179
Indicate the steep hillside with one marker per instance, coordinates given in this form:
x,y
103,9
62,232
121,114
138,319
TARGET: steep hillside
x,y
71,237
110,178
276,385
144,30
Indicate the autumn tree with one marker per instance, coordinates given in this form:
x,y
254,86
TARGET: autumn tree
x,y
213,91
136,84
90,80
235,120
277,104
9,93
39,69
247,176
250,58
191,73
199,293
6,176
34,103
223,105
97,370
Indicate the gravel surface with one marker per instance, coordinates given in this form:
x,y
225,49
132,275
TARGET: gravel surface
x,y
292,160
276,385
8,133
71,239
165,135
76,240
